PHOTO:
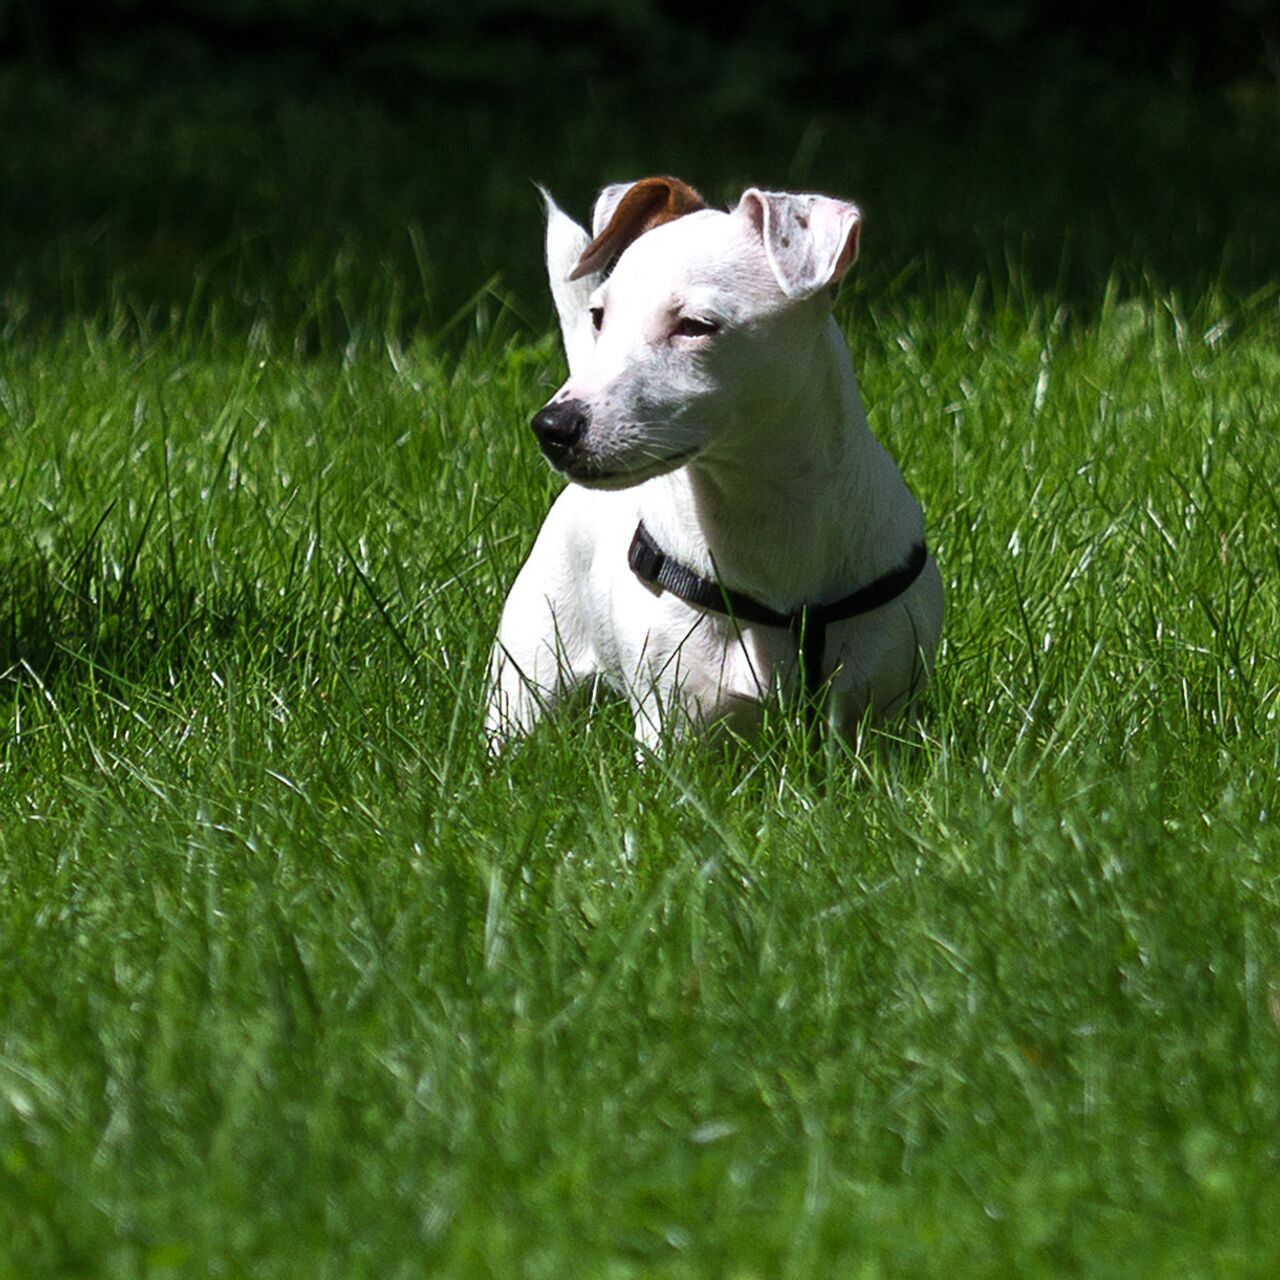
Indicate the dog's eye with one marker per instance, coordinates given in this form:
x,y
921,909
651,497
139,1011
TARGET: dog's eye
x,y
688,327
597,318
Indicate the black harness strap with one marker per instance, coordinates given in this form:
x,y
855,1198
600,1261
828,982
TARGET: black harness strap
x,y
808,624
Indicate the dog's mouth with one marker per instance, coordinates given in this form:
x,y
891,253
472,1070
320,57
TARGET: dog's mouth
x,y
595,478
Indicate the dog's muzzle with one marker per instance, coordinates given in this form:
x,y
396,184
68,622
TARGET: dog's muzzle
x,y
560,427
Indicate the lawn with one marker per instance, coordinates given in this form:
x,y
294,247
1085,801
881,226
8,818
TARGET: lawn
x,y
295,980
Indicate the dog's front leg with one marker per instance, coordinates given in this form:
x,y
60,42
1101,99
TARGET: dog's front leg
x,y
524,685
541,651
647,718
533,665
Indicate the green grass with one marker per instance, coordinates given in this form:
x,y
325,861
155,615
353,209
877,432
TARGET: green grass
x,y
296,981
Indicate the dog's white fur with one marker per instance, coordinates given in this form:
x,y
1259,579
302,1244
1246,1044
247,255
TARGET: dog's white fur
x,y
746,453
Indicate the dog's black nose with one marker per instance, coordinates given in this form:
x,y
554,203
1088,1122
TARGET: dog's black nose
x,y
559,428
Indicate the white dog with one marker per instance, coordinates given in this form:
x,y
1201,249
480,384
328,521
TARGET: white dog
x,y
733,529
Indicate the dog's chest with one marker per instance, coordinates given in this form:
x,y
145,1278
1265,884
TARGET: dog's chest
x,y
701,657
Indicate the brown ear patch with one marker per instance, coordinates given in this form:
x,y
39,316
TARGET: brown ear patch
x,y
648,204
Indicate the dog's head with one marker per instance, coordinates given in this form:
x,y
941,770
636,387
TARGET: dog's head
x,y
686,326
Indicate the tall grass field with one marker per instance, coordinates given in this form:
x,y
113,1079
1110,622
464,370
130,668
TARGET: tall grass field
x,y
297,981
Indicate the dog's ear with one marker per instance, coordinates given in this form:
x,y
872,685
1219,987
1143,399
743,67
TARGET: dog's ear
x,y
565,243
625,211
810,241
607,203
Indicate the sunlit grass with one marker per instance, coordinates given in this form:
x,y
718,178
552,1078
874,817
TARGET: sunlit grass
x,y
294,979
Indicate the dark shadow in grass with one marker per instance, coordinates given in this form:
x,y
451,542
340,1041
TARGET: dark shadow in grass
x,y
119,625
152,625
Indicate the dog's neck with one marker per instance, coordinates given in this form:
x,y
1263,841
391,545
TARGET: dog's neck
x,y
817,512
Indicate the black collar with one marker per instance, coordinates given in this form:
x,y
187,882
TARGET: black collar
x,y
808,623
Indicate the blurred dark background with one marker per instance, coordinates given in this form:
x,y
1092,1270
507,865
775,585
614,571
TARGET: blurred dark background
x,y
943,56
313,163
